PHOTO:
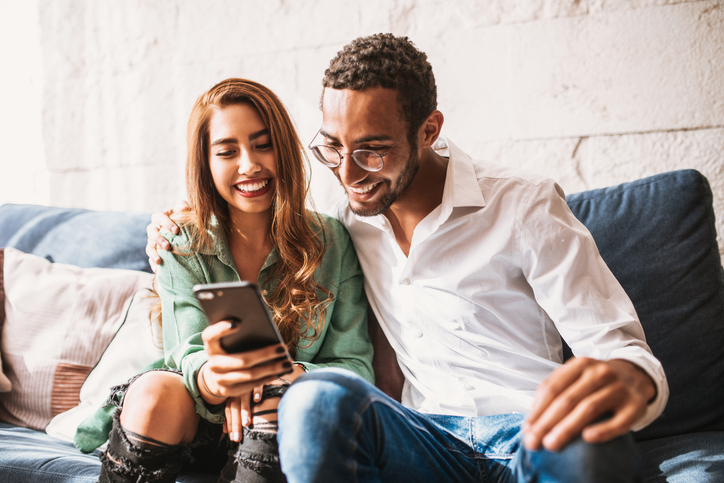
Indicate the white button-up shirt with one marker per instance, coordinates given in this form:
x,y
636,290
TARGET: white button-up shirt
x,y
495,275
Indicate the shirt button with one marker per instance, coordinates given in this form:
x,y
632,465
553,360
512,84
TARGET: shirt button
x,y
469,387
418,334
405,281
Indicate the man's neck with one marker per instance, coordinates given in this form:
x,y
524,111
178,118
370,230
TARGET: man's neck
x,y
423,195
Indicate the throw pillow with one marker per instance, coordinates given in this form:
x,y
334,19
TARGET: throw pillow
x,y
659,238
58,321
136,345
5,384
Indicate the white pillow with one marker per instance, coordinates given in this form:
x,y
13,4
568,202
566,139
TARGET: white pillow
x,y
5,384
137,344
59,319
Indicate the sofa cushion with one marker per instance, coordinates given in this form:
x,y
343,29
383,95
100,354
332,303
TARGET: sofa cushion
x,y
58,321
137,344
659,239
5,384
27,455
84,238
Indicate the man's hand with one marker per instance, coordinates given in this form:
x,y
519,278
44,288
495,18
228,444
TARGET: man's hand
x,y
155,239
581,392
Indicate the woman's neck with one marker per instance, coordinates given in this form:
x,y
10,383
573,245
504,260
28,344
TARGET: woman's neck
x,y
250,242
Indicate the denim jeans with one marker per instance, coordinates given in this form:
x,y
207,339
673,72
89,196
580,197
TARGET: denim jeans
x,y
335,426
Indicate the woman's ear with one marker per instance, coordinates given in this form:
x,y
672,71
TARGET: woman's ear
x,y
431,128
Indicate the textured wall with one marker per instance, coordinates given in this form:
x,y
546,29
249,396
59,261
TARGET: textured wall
x,y
590,92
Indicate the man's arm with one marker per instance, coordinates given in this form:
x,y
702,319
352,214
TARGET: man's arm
x,y
579,397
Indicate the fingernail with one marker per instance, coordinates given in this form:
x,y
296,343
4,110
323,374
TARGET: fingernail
x,y
257,397
281,350
235,436
287,365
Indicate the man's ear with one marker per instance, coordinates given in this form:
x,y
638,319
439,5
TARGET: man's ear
x,y
431,128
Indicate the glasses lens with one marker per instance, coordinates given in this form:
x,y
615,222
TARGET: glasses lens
x,y
369,160
326,155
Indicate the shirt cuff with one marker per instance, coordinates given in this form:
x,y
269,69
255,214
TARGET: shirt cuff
x,y
651,366
191,365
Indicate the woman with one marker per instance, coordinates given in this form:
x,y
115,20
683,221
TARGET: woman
x,y
247,185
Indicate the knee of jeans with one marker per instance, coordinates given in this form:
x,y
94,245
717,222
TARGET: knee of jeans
x,y
322,397
158,397
581,461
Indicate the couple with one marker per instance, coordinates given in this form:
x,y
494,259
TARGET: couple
x,y
474,272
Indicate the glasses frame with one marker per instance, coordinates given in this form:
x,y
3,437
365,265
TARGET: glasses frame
x,y
318,154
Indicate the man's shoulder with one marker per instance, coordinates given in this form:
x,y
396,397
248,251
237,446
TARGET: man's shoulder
x,y
491,174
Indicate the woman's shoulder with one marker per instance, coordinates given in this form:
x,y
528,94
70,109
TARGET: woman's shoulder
x,y
189,237
331,226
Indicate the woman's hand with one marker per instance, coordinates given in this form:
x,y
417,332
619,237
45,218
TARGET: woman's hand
x,y
240,410
230,375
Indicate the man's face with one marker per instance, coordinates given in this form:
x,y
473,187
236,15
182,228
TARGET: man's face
x,y
369,119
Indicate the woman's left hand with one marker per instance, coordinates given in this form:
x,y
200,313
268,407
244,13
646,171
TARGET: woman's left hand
x,y
239,411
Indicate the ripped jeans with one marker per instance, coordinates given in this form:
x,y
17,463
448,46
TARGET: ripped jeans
x,y
255,459
335,426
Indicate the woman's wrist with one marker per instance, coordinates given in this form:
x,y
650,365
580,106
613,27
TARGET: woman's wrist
x,y
205,391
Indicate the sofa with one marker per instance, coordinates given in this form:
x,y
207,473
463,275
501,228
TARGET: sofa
x,y
657,235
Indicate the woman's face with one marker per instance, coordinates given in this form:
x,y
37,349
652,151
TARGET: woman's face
x,y
241,159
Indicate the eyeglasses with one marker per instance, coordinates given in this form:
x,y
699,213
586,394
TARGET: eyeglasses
x,y
365,158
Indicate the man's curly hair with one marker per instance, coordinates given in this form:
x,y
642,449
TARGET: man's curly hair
x,y
383,60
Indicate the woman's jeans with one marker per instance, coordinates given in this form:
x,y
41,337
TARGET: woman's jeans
x,y
335,426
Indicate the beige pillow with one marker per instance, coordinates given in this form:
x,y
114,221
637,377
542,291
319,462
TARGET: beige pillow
x,y
5,384
137,344
58,321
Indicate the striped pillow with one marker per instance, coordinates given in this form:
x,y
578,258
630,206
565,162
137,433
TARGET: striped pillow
x,y
59,320
5,384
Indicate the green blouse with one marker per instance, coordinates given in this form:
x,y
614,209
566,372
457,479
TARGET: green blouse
x,y
343,341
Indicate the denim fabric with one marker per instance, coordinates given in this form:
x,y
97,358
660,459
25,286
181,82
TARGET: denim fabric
x,y
334,426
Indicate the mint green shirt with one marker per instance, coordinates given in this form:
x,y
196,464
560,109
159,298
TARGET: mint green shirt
x,y
343,342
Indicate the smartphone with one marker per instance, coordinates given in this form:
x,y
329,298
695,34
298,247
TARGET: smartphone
x,y
240,302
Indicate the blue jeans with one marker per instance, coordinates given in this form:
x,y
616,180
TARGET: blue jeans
x,y
335,426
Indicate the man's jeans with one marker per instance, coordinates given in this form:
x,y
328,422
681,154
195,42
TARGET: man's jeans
x,y
334,426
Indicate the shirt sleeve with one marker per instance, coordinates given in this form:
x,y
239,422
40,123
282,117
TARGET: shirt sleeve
x,y
575,287
183,318
345,343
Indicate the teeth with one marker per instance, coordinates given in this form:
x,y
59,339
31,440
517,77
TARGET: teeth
x,y
366,189
253,186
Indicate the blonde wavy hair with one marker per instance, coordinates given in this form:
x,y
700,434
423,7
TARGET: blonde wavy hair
x,y
298,234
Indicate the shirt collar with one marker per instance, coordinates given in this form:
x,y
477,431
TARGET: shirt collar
x,y
461,184
461,181
220,247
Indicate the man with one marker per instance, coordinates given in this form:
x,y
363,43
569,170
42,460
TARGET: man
x,y
474,272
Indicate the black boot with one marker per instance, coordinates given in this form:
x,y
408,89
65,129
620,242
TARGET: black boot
x,y
143,460
256,458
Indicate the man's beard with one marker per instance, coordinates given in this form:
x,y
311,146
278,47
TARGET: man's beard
x,y
403,181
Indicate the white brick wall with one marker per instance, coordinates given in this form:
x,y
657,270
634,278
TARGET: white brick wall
x,y
590,92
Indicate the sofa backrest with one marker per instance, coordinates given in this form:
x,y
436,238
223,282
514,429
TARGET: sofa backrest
x,y
659,238
656,234
84,238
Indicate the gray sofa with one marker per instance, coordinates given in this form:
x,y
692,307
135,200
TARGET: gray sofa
x,y
657,235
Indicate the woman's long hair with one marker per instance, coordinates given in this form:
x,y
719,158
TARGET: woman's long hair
x,y
298,234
